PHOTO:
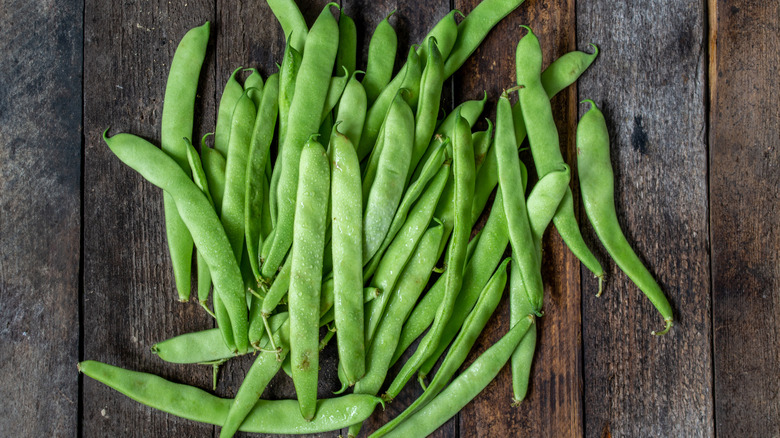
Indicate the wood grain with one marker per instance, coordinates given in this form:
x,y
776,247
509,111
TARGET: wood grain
x,y
40,179
650,82
554,404
129,298
744,199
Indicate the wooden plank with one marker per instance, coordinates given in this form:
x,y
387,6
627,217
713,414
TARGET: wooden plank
x,y
650,82
744,193
40,177
129,296
411,23
554,405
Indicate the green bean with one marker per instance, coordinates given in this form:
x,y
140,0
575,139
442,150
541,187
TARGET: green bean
x,y
463,161
255,80
474,28
203,346
277,416
513,193
431,167
351,110
235,172
545,144
464,388
347,249
565,70
597,185
381,58
542,205
265,219
214,167
292,21
398,253
487,255
230,95
445,32
383,193
346,57
288,72
259,148
409,80
304,120
431,84
306,272
411,284
204,226
335,90
472,327
177,121
482,142
278,288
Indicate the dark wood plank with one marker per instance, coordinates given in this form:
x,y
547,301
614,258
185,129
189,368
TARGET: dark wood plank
x,y
40,178
744,194
411,23
129,296
650,82
554,405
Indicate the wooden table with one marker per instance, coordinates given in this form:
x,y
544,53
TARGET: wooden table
x,y
690,93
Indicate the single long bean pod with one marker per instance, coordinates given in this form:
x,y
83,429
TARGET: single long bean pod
x,y
544,141
259,148
277,416
347,246
463,169
474,28
445,32
472,327
398,253
414,191
306,272
235,172
255,80
431,84
177,121
597,184
214,168
202,222
347,54
351,110
292,21
304,120
542,205
410,80
413,280
482,142
288,72
381,57
227,103
383,193
335,90
513,192
464,388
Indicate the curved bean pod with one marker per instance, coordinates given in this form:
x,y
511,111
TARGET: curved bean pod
x,y
351,110
381,57
431,84
277,416
597,184
202,222
292,21
254,80
346,57
227,103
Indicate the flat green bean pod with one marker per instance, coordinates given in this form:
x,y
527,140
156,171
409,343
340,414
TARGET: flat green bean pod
x,y
292,21
351,110
204,226
597,184
277,416
381,58
431,84
346,57
227,103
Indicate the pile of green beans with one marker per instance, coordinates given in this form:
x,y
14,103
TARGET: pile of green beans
x,y
328,199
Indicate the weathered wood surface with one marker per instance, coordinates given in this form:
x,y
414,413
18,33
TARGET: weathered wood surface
x,y
598,370
40,223
651,85
744,198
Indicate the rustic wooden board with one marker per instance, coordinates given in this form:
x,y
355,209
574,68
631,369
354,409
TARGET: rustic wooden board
x,y
40,183
554,403
650,82
744,199
129,299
